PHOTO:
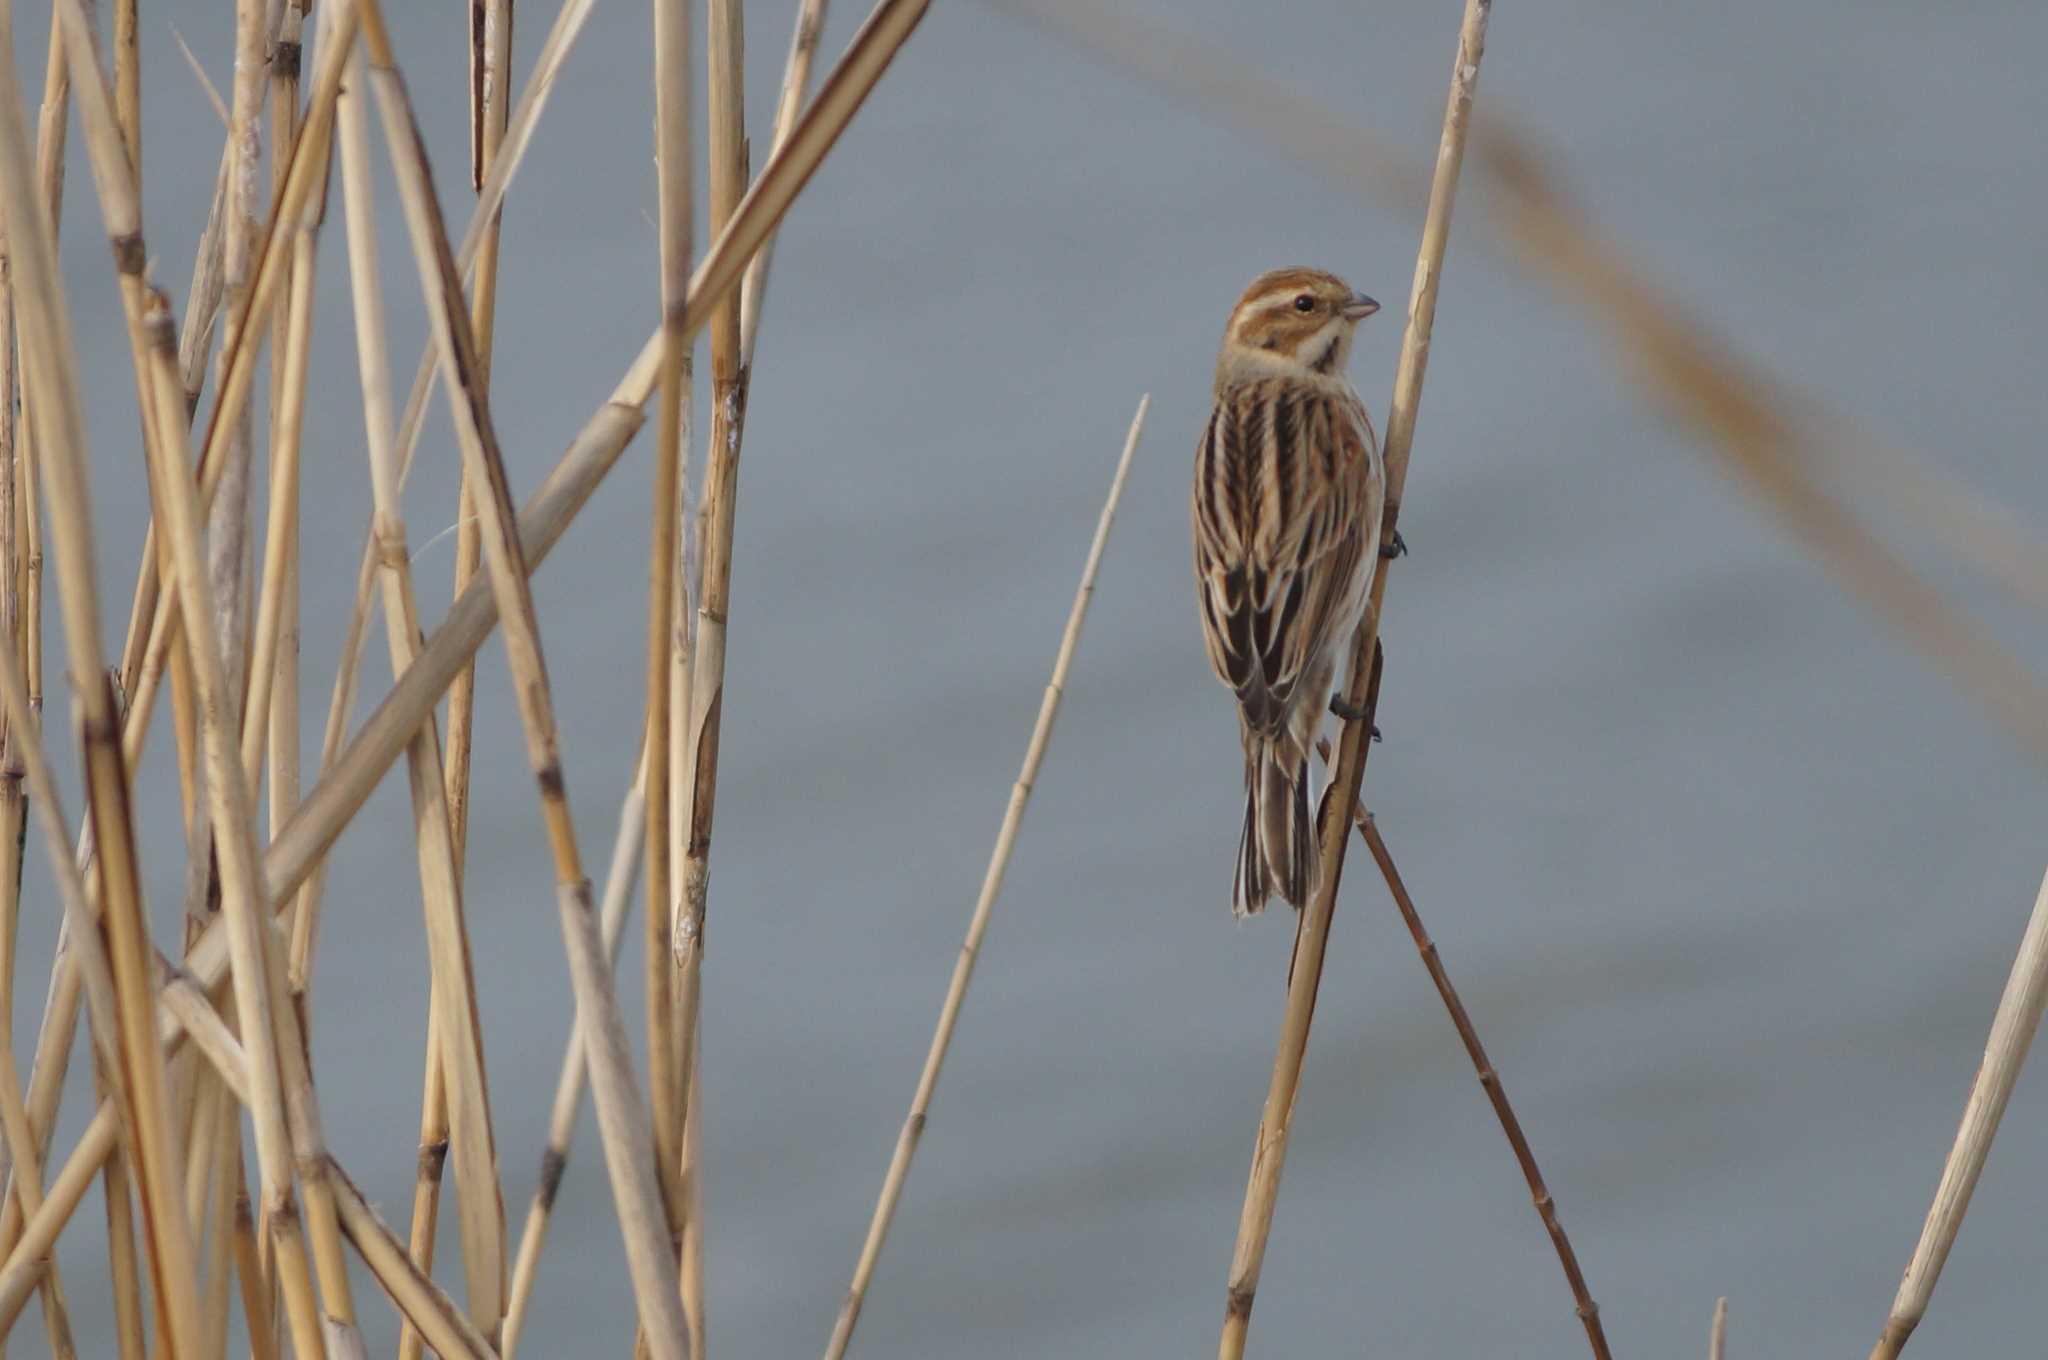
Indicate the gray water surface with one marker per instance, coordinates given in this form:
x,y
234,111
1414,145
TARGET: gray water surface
x,y
1729,877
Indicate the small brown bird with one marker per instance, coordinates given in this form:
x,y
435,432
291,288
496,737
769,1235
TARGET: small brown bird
x,y
1289,489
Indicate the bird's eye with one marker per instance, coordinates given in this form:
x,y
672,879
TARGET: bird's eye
x,y
1304,303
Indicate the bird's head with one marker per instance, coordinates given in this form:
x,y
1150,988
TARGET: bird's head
x,y
1292,323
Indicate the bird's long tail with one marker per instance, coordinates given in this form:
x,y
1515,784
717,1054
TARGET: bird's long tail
x,y
1277,851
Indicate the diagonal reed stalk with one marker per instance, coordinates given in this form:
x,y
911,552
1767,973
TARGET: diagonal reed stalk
x,y
2013,1027
1489,1079
1255,1224
1305,970
490,198
490,77
57,418
618,892
309,831
984,909
622,1113
455,1037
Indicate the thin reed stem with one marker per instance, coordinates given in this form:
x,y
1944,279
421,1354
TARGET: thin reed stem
x,y
1489,1079
455,1037
300,845
554,1159
621,1111
984,909
2013,1027
666,1093
1255,1223
58,420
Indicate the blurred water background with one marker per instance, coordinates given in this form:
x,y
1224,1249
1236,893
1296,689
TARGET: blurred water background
x,y
1729,878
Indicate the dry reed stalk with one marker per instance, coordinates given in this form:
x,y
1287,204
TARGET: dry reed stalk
x,y
1751,423
455,1038
2013,1027
715,515
984,909
1269,1156
124,1275
561,38
667,1095
51,370
888,27
796,78
26,1180
554,1160
1717,1338
268,1023
275,606
220,1245
696,800
270,719
227,525
250,1276
358,767
128,82
1489,1078
621,1111
25,1263
436,1315
490,79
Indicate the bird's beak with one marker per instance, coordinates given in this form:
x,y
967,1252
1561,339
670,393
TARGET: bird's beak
x,y
1359,308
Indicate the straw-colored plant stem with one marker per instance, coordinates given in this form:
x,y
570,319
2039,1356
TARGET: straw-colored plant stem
x,y
650,1258
490,54
268,1025
270,719
425,1307
2013,1027
1269,1156
490,87
618,895
984,909
358,767
228,525
457,1035
128,82
1717,1337
49,359
26,753
490,79
26,1180
560,40
696,801
666,1094
1489,1078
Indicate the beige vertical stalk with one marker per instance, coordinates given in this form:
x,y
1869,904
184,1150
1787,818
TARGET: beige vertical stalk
x,y
621,1110
667,1095
490,81
58,427
228,525
460,1107
554,1161
490,198
1269,1155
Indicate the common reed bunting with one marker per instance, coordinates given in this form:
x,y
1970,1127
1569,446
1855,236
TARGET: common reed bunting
x,y
1289,488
